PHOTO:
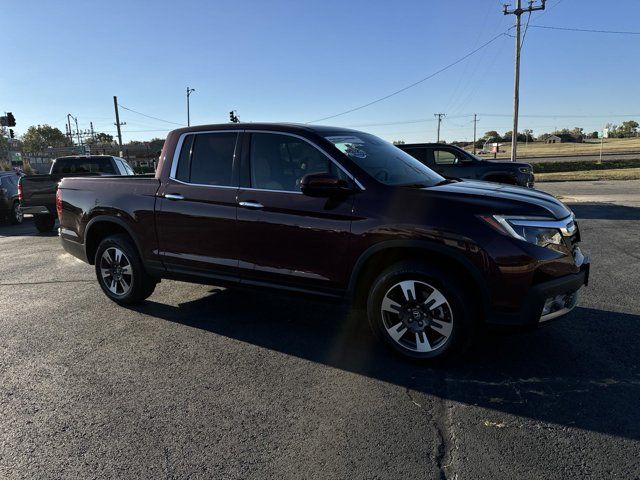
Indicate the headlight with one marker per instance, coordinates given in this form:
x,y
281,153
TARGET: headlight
x,y
543,232
525,169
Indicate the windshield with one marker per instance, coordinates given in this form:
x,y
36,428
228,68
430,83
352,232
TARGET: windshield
x,y
384,161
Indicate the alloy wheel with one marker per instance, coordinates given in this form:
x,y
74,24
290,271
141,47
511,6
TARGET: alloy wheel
x,y
116,271
417,316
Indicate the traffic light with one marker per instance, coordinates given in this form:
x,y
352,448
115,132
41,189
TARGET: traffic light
x,y
11,120
233,118
11,134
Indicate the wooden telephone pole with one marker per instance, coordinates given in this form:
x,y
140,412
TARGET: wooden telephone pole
x,y
518,11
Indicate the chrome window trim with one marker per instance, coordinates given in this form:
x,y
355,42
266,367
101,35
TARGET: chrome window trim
x,y
202,184
331,159
176,157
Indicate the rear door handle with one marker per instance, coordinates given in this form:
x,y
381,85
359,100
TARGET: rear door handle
x,y
173,196
251,205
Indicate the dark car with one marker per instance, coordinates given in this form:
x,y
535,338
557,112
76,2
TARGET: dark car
x,y
9,204
454,162
333,212
38,192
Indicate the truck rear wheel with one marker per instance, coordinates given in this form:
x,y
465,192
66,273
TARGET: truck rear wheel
x,y
44,223
16,215
419,311
120,272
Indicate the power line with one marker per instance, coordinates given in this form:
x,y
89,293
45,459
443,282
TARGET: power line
x,y
149,116
587,30
414,83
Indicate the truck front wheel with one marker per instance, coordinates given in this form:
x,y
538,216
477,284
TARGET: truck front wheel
x,y
44,223
418,311
120,272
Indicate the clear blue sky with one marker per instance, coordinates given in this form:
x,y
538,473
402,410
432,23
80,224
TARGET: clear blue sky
x,y
302,60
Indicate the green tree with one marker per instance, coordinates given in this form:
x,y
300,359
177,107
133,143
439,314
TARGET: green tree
x,y
629,128
492,136
4,148
155,145
37,139
398,142
100,138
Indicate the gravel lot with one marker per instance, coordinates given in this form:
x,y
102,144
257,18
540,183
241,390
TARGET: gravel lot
x,y
200,382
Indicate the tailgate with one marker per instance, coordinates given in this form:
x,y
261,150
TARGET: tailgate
x,y
38,190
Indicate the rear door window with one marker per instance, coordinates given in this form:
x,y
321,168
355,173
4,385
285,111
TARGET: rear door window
x,y
417,153
212,159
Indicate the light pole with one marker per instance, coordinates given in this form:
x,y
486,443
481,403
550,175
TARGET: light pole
x,y
189,92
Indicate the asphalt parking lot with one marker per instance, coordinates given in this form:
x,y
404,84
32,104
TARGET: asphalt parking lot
x,y
200,382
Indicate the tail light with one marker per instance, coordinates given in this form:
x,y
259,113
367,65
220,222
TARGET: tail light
x,y
20,192
59,203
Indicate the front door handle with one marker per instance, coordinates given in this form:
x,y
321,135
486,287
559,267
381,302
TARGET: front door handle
x,y
173,196
251,205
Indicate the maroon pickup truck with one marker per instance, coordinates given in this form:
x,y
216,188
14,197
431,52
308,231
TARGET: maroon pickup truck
x,y
334,212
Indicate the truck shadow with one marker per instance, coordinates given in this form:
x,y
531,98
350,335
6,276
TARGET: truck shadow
x,y
26,229
581,372
604,211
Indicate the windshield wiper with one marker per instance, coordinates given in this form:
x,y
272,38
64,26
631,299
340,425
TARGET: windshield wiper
x,y
413,185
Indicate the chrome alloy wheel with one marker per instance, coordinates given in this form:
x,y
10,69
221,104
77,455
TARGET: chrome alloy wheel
x,y
116,271
417,316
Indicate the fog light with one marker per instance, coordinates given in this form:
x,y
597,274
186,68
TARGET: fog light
x,y
558,305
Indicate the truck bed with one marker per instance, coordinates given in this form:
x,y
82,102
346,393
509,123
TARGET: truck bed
x,y
133,197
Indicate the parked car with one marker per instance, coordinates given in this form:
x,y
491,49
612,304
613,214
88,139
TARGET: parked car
x,y
9,204
38,192
334,212
454,162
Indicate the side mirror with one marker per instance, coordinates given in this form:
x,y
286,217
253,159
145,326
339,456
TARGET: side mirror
x,y
323,185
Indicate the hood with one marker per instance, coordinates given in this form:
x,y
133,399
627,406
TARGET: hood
x,y
507,162
507,195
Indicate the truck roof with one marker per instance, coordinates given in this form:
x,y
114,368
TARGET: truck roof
x,y
285,127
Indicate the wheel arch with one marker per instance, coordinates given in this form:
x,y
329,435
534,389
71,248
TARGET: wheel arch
x,y
380,256
101,227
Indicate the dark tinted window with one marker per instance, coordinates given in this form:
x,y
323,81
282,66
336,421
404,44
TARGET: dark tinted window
x,y
212,158
417,153
84,165
10,182
278,162
182,173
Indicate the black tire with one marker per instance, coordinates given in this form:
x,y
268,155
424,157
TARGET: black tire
x,y
44,223
16,216
448,328
140,284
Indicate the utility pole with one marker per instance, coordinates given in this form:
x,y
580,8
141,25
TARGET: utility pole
x,y
78,131
118,124
439,116
189,92
518,11
475,123
93,133
69,128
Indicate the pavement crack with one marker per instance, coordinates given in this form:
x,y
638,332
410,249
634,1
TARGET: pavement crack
x,y
441,420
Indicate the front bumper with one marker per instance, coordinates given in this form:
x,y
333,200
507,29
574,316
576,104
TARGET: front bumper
x,y
546,301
